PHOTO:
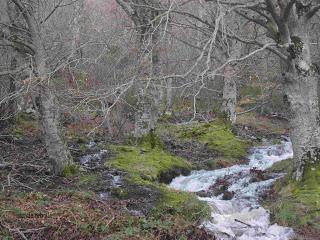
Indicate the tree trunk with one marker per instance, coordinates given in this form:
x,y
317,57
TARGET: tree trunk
x,y
303,102
12,103
169,102
229,99
57,150
301,88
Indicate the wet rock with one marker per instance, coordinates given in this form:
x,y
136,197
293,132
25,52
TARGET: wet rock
x,y
223,164
227,195
166,177
204,194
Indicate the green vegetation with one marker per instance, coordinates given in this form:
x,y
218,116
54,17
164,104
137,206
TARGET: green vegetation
x,y
70,170
218,135
298,203
145,165
183,204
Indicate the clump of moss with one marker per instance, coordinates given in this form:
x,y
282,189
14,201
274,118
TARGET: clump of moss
x,y
70,170
148,164
185,205
145,165
298,203
219,136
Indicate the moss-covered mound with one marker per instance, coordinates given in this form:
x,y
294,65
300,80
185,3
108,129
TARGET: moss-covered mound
x,y
217,135
182,204
145,165
297,204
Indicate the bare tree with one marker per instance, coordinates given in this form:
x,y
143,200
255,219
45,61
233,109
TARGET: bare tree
x,y
288,25
31,40
147,18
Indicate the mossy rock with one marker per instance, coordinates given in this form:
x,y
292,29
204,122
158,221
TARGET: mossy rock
x,y
218,136
145,165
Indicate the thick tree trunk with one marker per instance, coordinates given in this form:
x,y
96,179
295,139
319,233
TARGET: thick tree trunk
x,y
301,88
303,102
56,148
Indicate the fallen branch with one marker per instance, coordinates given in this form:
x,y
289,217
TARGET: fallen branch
x,y
248,225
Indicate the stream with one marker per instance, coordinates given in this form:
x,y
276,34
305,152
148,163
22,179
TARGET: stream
x,y
241,217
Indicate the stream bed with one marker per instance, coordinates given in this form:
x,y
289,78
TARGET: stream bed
x,y
240,216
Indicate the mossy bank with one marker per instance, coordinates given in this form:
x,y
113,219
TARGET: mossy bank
x,y
149,167
296,204
215,138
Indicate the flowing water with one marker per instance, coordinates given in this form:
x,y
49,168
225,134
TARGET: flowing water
x,y
241,217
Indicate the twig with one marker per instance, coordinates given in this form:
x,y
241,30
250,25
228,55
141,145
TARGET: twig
x,y
248,225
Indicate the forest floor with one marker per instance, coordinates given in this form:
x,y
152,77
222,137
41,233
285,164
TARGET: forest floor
x,y
119,189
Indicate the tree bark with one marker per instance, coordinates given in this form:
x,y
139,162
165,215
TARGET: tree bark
x,y
57,150
169,102
301,88
144,14
229,98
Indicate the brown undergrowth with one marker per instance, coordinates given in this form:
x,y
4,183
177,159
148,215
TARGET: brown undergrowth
x,y
78,215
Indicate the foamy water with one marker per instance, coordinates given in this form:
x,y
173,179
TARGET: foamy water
x,y
241,218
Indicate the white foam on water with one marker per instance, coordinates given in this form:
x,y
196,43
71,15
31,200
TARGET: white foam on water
x,y
241,218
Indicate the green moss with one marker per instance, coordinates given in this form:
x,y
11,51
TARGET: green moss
x,y
219,136
298,203
183,204
282,166
70,170
145,164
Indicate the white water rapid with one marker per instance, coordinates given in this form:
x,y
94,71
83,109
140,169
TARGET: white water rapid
x,y
241,218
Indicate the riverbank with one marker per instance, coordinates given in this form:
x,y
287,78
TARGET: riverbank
x,y
119,188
